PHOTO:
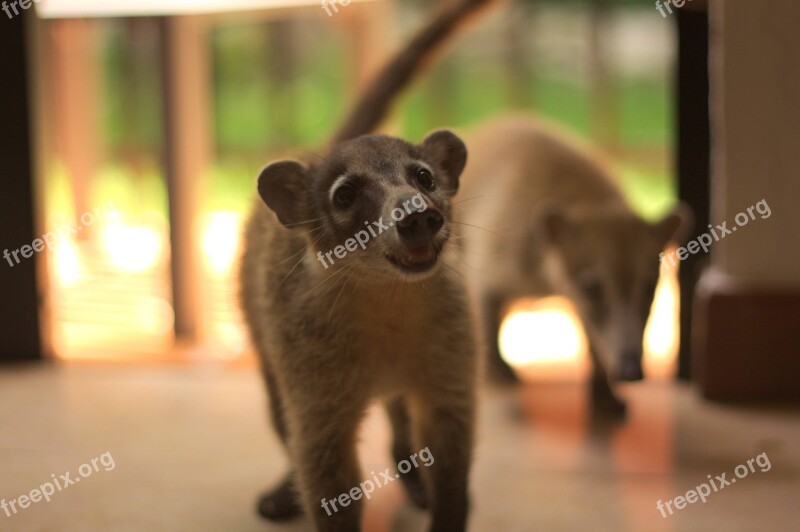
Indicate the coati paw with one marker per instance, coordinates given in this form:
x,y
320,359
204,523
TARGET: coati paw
x,y
415,489
610,406
501,373
606,403
280,504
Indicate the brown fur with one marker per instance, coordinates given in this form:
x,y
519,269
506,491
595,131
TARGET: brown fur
x,y
554,222
333,339
373,106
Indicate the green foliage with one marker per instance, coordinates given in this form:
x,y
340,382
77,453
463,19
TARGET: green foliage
x,y
262,107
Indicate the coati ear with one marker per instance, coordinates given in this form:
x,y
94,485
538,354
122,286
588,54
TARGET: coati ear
x,y
282,186
676,225
449,153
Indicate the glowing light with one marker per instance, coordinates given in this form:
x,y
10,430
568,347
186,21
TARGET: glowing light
x,y
544,332
547,336
67,263
231,341
661,333
132,249
221,241
154,314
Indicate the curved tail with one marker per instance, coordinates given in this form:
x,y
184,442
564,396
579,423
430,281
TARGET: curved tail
x,y
373,105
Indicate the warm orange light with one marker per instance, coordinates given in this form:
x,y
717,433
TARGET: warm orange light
x,y
129,8
221,241
541,332
220,234
228,340
144,330
67,263
131,248
545,337
661,333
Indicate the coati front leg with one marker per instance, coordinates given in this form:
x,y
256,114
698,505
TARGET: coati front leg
x,y
498,369
282,503
602,396
446,429
322,440
401,450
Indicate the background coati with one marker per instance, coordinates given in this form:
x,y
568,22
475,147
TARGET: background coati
x,y
560,225
389,321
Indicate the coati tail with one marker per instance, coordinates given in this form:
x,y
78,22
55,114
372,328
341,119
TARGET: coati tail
x,y
373,105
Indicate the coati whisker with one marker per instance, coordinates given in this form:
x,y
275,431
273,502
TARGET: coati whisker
x,y
479,227
465,200
302,251
302,258
317,155
453,270
326,280
304,222
333,307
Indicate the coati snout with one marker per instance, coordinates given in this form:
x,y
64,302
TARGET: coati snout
x,y
604,262
376,204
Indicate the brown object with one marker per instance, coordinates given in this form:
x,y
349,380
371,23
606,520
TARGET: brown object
x,y
746,343
185,77
747,306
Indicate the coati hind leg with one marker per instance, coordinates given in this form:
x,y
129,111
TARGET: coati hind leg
x,y
603,400
401,450
282,502
498,369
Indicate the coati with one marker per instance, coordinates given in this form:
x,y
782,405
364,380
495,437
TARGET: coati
x,y
545,217
390,321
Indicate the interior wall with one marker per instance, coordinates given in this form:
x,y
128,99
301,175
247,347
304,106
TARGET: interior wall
x,y
747,306
756,138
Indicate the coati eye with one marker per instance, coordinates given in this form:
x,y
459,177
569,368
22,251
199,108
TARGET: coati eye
x,y
425,179
344,196
593,290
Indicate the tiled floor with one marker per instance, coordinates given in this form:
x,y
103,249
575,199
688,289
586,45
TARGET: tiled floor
x,y
192,449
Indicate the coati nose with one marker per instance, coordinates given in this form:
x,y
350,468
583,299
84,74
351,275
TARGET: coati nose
x,y
418,228
630,368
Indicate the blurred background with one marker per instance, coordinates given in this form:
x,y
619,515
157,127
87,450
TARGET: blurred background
x,y
134,131
263,85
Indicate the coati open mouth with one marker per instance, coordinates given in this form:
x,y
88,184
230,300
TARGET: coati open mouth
x,y
416,260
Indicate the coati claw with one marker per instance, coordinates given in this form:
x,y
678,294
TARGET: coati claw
x,y
280,504
415,489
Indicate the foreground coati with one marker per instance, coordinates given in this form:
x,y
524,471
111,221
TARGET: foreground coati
x,y
349,295
545,217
